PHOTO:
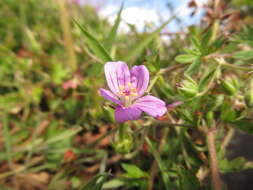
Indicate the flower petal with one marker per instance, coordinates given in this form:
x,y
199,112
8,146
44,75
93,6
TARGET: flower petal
x,y
140,78
151,105
117,74
126,114
109,96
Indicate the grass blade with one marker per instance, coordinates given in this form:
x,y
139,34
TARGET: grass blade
x,y
94,44
7,139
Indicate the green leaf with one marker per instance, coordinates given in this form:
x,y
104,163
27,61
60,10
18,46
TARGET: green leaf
x,y
194,67
234,165
208,77
206,39
244,55
112,35
185,58
196,43
195,52
141,45
244,125
59,73
114,184
227,113
187,180
94,44
217,43
96,182
133,171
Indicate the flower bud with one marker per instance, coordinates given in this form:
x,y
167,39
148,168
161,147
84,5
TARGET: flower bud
x,y
123,140
188,88
249,95
215,102
209,118
230,85
123,145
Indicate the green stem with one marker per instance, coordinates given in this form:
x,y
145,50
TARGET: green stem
x,y
122,131
223,63
65,24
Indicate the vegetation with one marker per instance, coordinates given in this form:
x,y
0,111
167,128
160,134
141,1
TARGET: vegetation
x,y
57,132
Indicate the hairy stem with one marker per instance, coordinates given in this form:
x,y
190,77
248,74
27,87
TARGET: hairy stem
x,y
216,180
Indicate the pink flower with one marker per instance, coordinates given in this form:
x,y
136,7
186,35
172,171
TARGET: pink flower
x,y
127,90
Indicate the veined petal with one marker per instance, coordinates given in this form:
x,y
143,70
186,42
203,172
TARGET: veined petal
x,y
126,114
109,96
117,74
151,105
140,78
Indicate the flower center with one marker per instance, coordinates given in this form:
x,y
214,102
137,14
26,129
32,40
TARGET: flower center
x,y
127,94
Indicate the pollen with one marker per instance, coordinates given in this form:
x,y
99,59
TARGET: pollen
x,y
121,87
127,93
134,94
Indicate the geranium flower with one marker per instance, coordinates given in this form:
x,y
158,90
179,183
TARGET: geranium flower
x,y
127,90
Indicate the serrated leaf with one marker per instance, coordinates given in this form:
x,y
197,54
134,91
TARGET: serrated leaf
x,y
185,58
143,44
94,44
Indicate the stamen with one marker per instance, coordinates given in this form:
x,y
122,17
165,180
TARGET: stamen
x,y
127,93
121,87
133,90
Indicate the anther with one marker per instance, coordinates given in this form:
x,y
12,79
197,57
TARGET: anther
x,y
121,87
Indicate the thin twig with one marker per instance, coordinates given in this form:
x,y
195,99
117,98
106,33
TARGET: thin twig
x,y
227,138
